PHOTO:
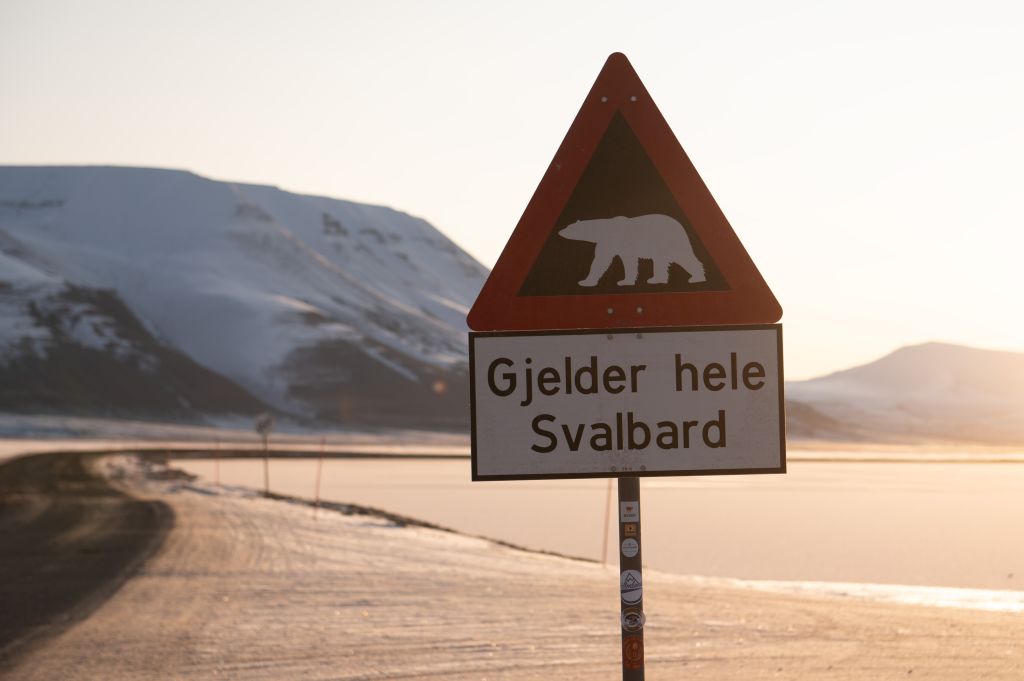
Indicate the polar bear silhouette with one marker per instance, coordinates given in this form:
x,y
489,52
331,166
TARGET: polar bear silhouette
x,y
656,237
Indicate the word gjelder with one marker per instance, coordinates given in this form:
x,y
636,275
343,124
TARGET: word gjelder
x,y
505,379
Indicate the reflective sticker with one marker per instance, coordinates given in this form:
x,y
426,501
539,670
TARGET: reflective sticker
x,y
630,547
629,529
633,620
633,652
631,587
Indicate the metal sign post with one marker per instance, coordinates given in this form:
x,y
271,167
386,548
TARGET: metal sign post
x,y
631,580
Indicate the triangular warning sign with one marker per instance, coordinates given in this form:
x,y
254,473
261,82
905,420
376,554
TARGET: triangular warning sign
x,y
622,232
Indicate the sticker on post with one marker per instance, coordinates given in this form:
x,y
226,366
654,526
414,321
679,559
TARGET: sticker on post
x,y
633,652
630,547
629,529
633,620
629,511
631,587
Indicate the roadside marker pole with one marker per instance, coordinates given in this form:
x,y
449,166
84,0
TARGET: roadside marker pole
x,y
631,590
607,519
319,472
265,424
266,469
216,466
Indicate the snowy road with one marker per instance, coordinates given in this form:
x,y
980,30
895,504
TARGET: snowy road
x,y
249,588
68,539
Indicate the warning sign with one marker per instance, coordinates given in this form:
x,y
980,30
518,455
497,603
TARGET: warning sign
x,y
622,232
624,330
659,401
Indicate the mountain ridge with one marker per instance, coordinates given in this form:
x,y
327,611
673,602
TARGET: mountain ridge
x,y
249,281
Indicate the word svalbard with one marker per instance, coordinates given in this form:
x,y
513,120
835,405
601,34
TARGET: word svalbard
x,y
626,431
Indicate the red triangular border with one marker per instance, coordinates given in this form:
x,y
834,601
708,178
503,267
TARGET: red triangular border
x,y
499,308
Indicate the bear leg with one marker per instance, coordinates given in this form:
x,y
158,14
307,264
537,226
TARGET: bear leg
x,y
693,267
631,267
660,273
602,261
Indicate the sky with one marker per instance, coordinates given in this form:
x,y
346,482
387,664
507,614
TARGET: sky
x,y
869,155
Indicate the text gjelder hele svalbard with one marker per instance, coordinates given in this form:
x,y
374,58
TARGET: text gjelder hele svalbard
x,y
523,382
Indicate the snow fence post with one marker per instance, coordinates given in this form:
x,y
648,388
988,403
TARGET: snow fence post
x,y
319,475
265,424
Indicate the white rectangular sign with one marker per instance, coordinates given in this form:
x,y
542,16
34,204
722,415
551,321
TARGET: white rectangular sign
x,y
660,401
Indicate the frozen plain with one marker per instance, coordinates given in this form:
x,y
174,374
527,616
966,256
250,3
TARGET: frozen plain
x,y
938,524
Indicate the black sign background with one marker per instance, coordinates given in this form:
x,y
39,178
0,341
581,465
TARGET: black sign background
x,y
620,180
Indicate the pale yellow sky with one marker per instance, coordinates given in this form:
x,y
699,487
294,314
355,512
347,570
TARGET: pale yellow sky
x,y
868,154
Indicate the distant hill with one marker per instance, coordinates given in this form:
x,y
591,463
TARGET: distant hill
x,y
930,392
143,292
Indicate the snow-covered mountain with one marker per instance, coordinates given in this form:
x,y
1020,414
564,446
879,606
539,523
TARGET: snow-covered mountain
x,y
132,289
933,391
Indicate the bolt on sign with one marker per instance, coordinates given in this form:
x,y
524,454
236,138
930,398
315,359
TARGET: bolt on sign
x,y
624,330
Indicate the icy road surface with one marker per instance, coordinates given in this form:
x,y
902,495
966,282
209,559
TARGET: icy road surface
x,y
250,588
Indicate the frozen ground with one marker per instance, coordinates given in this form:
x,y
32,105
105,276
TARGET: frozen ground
x,y
249,588
922,524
